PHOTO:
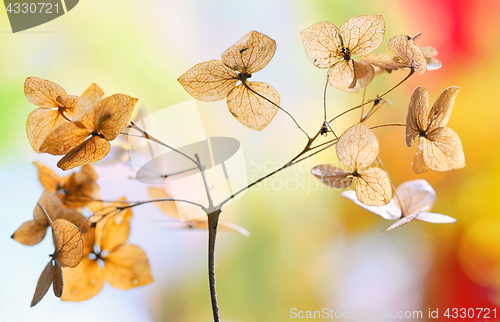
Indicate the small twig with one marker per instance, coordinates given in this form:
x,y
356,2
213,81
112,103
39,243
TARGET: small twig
x,y
279,107
213,220
372,100
45,212
386,125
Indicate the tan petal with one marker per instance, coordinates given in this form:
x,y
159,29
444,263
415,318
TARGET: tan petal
x,y
250,54
88,99
127,267
118,120
41,122
373,187
94,117
52,205
403,221
76,218
92,150
30,233
80,187
250,104
47,177
418,161
68,103
68,242
416,119
333,176
112,231
363,34
209,81
441,110
65,138
42,93
381,60
357,147
404,48
57,279
428,51
411,196
343,76
43,284
167,207
82,282
322,44
443,150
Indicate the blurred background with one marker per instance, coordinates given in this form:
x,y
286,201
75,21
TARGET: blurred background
x,y
310,249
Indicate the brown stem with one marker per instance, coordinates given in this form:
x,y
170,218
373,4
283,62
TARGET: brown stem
x,y
213,220
374,99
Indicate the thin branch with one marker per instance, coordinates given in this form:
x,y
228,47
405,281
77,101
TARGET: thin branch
x,y
160,200
205,182
149,137
282,109
324,101
372,100
387,125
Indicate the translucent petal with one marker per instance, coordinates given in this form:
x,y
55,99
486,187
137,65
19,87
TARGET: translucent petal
x,y
390,211
250,54
322,44
250,104
333,176
442,150
363,34
416,119
209,81
373,188
357,147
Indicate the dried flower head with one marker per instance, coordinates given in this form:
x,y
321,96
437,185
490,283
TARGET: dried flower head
x,y
412,200
97,121
253,104
76,190
124,266
439,148
33,231
330,47
406,55
357,149
55,108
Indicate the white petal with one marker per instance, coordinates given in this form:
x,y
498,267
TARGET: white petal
x,y
389,211
436,218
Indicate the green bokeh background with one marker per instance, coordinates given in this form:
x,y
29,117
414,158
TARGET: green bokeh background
x,y
310,249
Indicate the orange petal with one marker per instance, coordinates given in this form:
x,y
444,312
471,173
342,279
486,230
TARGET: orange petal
x,y
42,93
167,207
65,138
92,150
82,282
112,231
127,267
41,122
88,99
118,120
47,177
57,279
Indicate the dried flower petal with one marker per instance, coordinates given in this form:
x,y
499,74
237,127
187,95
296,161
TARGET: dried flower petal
x,y
250,54
333,176
363,34
321,42
440,148
68,242
357,147
43,284
407,52
127,267
373,188
250,104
